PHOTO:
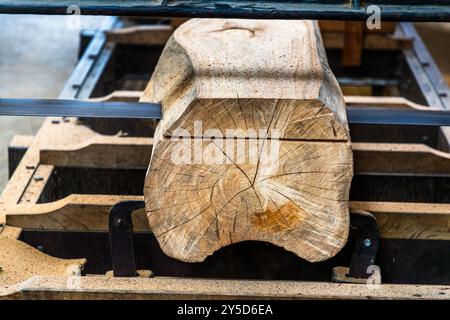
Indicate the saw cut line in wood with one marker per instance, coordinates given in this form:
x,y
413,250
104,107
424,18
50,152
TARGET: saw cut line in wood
x,y
253,144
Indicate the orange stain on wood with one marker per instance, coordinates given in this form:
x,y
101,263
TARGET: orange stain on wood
x,y
278,219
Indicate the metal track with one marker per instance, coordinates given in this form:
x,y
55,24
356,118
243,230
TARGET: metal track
x,y
391,10
389,116
131,110
79,108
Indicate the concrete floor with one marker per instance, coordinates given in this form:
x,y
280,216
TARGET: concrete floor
x,y
37,55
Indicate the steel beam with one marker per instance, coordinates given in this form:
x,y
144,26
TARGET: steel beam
x,y
79,108
391,10
133,110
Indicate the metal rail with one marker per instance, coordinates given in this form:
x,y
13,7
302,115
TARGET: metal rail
x,y
391,10
133,110
79,108
422,65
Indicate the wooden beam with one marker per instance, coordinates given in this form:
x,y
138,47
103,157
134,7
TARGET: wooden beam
x,y
398,220
397,158
120,95
415,159
10,232
385,102
34,189
19,262
340,26
353,43
72,213
44,287
101,152
336,40
149,35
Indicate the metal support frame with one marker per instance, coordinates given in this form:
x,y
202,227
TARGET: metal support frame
x,y
421,63
364,232
82,81
124,229
121,238
391,10
81,108
152,111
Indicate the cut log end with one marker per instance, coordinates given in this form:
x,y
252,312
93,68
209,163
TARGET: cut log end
x,y
297,201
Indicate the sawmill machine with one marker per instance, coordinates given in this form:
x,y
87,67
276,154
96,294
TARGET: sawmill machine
x,y
357,196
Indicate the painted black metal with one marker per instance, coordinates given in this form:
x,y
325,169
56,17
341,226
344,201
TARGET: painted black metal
x,y
377,133
389,116
132,110
86,37
79,108
363,82
364,235
15,154
121,238
395,10
364,230
406,261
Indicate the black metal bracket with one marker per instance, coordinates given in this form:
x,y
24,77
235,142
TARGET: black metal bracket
x,y
364,231
121,238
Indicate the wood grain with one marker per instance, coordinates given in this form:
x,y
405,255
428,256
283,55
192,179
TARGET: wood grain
x,y
98,287
19,262
248,75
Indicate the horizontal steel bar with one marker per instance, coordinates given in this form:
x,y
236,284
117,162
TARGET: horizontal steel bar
x,y
132,110
391,10
362,82
78,108
389,116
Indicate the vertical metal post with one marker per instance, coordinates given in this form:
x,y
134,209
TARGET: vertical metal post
x,y
121,238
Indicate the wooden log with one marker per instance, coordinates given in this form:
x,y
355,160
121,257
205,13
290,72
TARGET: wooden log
x,y
284,175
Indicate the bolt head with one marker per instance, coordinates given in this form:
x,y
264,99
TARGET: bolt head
x,y
367,242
